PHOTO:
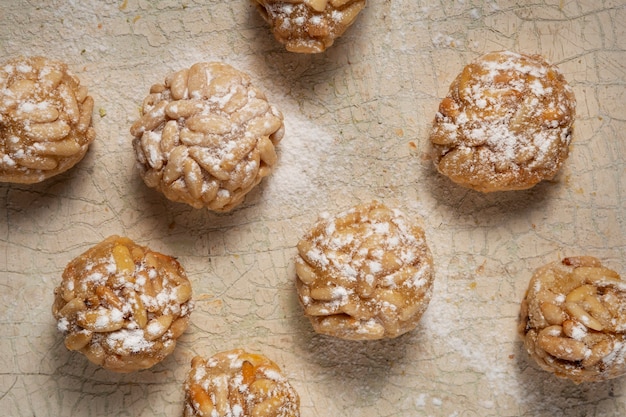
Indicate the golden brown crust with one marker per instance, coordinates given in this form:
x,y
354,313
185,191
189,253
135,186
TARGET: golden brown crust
x,y
238,383
206,136
506,123
45,119
364,274
309,26
123,305
573,320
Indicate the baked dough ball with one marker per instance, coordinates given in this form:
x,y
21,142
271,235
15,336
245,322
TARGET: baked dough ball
x,y
573,320
309,26
364,274
122,305
206,136
45,119
238,383
506,123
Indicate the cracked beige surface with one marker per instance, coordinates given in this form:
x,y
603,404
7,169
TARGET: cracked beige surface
x,y
357,119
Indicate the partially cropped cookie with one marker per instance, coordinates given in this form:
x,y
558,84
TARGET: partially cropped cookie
x,y
238,383
506,123
309,26
364,274
123,305
573,320
206,136
45,119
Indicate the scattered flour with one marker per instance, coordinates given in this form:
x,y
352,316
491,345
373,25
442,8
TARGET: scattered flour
x,y
441,40
305,156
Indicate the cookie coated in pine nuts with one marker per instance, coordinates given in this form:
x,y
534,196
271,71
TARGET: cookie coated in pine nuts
x,y
238,383
309,26
364,274
506,123
45,119
206,136
123,305
573,320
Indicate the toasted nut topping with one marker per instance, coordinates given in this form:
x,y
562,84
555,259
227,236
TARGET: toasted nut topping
x,y
140,314
128,308
552,313
572,320
70,309
206,136
101,320
158,326
505,124
563,348
364,274
579,313
46,119
235,379
578,261
123,260
309,26
78,340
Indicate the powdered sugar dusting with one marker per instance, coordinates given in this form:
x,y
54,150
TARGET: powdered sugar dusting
x,y
368,264
570,323
43,133
122,308
206,136
506,123
306,151
309,26
239,383
129,340
467,347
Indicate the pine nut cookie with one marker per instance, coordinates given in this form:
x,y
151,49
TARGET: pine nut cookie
x,y
506,123
364,274
206,136
309,26
573,320
45,119
123,305
238,383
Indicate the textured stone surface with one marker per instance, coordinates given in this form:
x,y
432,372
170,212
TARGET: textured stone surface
x,y
357,119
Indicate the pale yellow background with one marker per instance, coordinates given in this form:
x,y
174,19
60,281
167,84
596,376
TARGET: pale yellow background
x,y
357,119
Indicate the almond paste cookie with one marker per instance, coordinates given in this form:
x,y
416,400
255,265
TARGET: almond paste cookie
x,y
364,274
45,119
506,123
238,383
309,26
123,305
206,136
573,320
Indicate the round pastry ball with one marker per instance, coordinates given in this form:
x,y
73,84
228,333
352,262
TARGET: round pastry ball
x,y
206,136
573,320
238,383
364,274
45,119
506,123
309,26
123,305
